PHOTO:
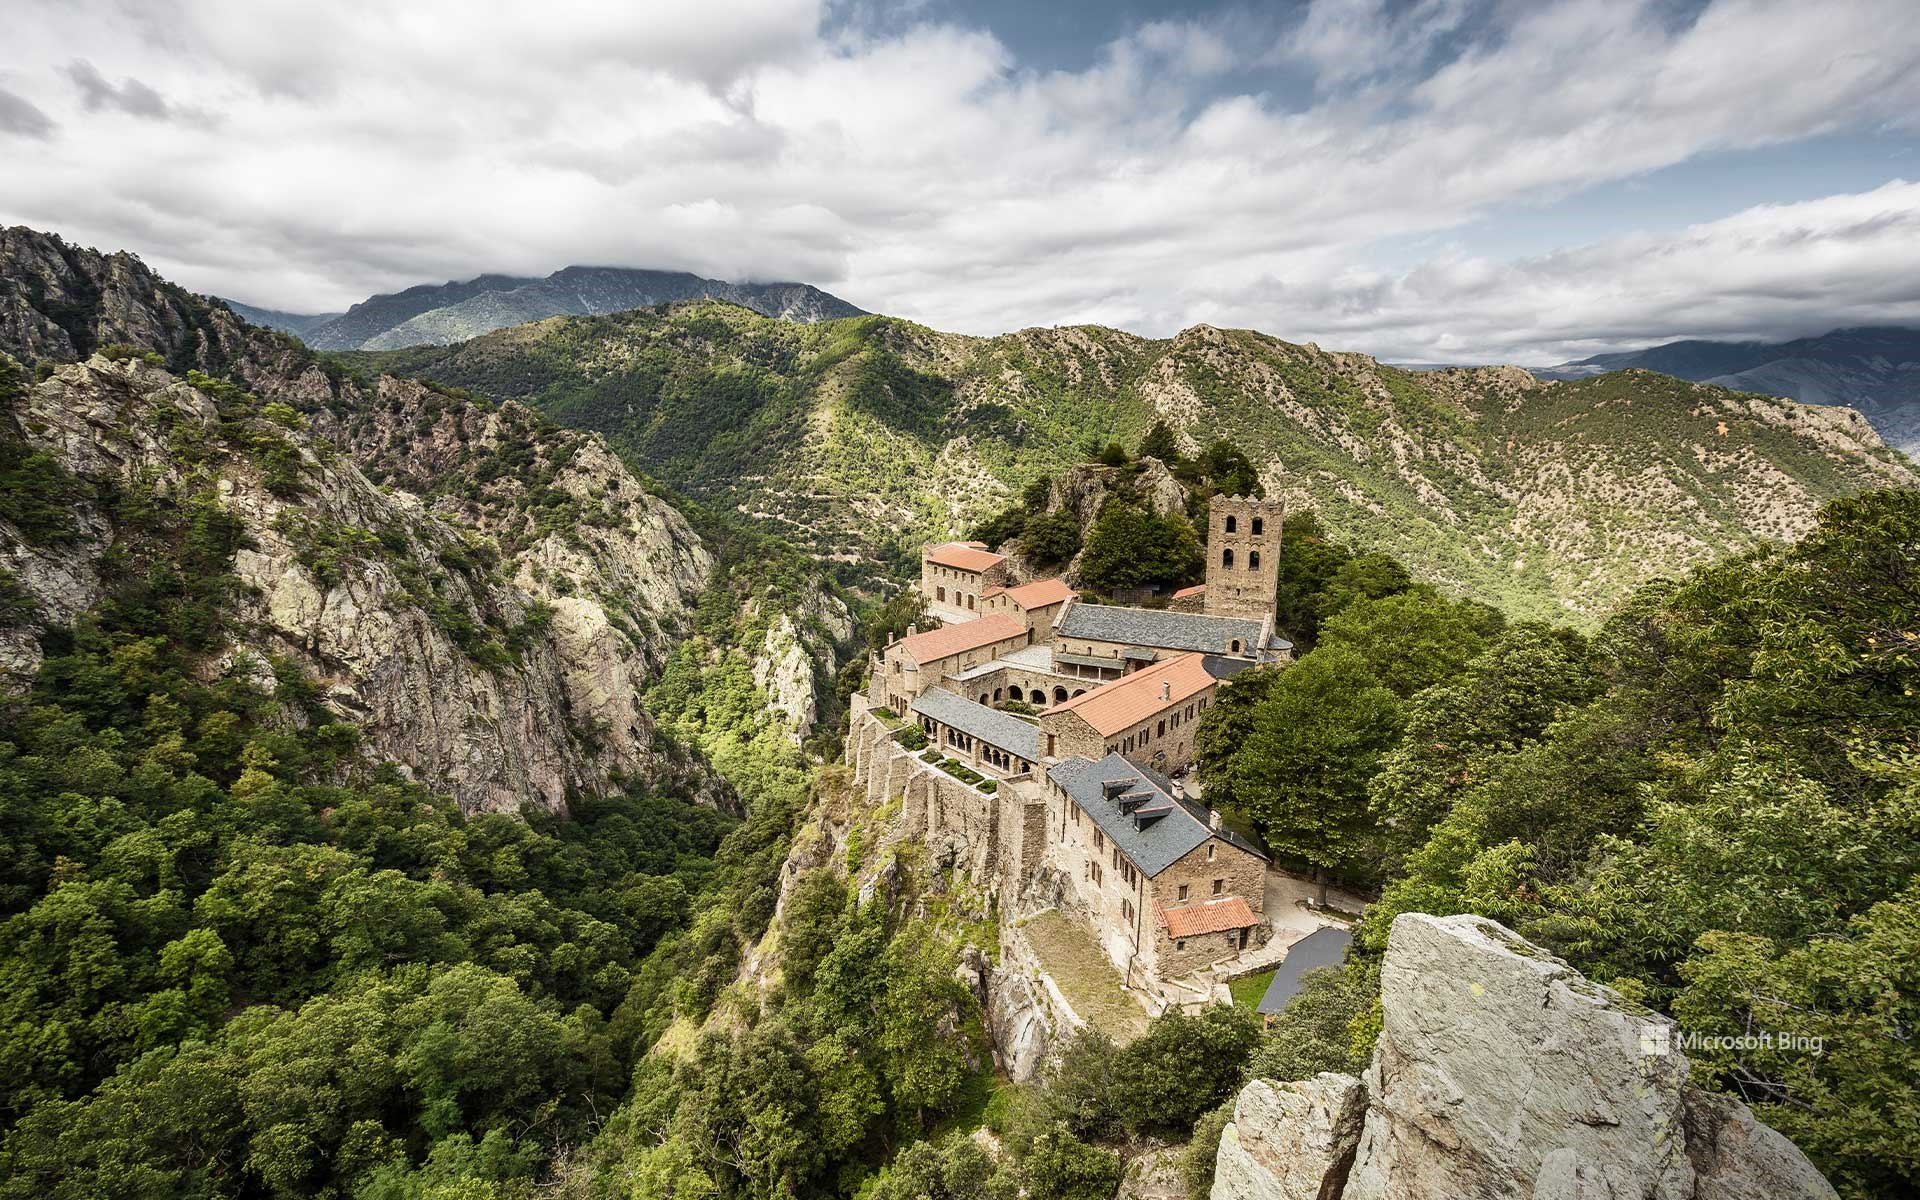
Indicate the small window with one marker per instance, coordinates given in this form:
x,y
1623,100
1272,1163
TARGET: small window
x,y
942,594
1219,886
1236,642
1160,730
1232,524
1253,560
1259,527
1211,847
969,602
1180,944
1183,891
1226,557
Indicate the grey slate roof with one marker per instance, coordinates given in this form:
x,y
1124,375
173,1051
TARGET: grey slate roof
x,y
1172,829
1321,948
1224,668
1159,628
991,726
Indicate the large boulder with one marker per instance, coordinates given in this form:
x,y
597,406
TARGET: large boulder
x,y
1291,1141
1501,1072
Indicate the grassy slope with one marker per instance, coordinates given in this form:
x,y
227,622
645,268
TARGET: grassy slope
x,y
860,438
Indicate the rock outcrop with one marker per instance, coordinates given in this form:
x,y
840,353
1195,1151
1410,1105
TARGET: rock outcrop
x,y
1502,1072
490,645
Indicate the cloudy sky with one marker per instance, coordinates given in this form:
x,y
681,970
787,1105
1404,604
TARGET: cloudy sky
x,y
1449,180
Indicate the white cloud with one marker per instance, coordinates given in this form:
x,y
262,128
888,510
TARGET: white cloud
x,y
915,166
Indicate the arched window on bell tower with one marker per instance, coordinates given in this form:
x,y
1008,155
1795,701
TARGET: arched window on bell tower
x,y
1233,524
1226,556
1253,560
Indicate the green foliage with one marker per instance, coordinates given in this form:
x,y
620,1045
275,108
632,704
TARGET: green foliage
x,y
1161,443
1131,547
1062,1167
1052,537
238,959
37,494
1302,772
1327,1026
1203,1150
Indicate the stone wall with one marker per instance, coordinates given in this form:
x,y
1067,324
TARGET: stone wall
x,y
1242,874
1106,892
999,839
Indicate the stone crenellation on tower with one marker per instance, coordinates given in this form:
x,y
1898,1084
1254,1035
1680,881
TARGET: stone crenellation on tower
x,y
1243,556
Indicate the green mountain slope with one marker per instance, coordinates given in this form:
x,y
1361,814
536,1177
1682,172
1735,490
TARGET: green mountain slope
x,y
863,437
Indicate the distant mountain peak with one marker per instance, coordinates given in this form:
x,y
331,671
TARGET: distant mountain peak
x,y
437,314
1873,368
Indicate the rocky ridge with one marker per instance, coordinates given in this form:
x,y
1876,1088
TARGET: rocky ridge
x,y
1502,1072
499,677
535,534
863,438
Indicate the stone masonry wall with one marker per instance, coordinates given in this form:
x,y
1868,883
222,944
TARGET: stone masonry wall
x,y
1243,875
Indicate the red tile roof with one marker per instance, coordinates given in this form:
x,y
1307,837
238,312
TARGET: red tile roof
x,y
1198,589
949,640
1131,699
1215,916
1040,593
962,556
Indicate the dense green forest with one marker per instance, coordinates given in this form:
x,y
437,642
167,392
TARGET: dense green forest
x,y
1712,804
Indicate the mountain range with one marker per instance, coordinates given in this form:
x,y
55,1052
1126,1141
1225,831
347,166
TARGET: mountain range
x,y
861,438
1876,370
436,314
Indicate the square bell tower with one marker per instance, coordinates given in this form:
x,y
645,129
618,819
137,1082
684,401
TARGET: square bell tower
x,y
1243,556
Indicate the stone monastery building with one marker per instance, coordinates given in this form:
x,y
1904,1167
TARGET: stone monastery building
x,y
1057,732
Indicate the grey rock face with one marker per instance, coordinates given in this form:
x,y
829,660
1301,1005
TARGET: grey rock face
x,y
1291,1141
562,712
1154,1175
1017,1025
1502,1072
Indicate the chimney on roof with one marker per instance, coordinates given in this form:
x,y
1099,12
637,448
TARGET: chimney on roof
x,y
1166,689
1213,819
912,629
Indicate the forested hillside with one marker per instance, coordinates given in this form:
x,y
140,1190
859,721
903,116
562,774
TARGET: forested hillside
x,y
1710,805
862,438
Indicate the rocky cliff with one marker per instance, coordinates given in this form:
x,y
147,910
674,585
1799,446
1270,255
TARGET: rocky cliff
x,y
495,643
1502,1072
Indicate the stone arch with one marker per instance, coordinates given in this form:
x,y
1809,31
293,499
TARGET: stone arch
x,y
1079,691
1038,696
1226,557
1059,695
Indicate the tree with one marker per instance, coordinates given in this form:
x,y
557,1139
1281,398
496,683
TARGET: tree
x,y
1130,547
1229,470
1161,443
1062,1167
1371,576
1051,537
1411,639
1182,1066
1819,1039
1317,740
1225,727
1309,559
1508,695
